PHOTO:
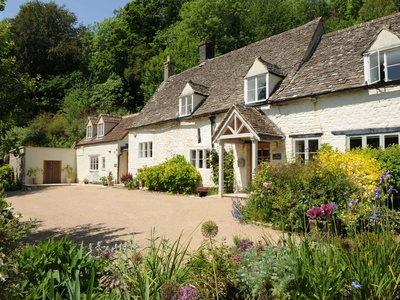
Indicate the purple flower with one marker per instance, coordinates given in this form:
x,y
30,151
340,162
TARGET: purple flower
x,y
345,194
335,207
353,202
386,174
244,245
328,208
374,215
186,292
315,212
355,285
377,193
391,190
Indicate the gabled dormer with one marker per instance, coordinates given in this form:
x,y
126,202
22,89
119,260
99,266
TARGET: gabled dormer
x,y
105,123
191,97
260,81
382,59
91,127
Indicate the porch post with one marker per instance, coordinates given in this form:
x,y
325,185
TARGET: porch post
x,y
254,156
221,170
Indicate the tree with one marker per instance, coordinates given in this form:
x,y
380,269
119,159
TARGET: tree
x,y
373,9
45,39
2,4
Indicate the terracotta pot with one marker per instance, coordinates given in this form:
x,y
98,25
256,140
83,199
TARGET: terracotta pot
x,y
35,180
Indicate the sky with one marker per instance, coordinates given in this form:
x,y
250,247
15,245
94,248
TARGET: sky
x,y
86,11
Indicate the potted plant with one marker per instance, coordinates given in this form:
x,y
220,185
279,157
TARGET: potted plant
x,y
32,172
70,173
85,181
110,178
103,180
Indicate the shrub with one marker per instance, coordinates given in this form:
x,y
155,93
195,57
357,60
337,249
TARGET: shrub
x,y
175,175
126,176
229,176
7,178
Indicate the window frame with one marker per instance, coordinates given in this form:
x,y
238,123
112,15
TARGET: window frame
x,y
94,163
101,129
256,88
373,73
89,131
364,139
307,154
146,150
199,161
188,108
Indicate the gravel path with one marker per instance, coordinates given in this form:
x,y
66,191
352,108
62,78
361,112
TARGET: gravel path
x,y
94,213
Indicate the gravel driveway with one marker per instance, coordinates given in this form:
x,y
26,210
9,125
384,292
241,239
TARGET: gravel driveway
x,y
94,213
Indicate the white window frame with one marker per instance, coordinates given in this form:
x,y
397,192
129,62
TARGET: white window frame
x,y
103,163
372,72
307,154
89,131
146,150
186,105
94,163
198,158
256,88
101,129
381,136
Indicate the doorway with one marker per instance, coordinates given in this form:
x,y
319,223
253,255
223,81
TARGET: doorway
x,y
52,171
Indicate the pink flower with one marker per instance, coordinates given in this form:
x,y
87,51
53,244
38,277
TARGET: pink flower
x,y
315,212
327,208
267,184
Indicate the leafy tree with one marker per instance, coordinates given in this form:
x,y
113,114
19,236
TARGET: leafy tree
x,y
2,4
46,41
373,9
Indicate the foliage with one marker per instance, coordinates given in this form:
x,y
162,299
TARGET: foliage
x,y
12,230
32,172
6,178
229,176
70,171
175,175
125,177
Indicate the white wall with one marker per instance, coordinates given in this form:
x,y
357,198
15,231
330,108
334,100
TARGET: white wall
x,y
353,110
109,150
169,140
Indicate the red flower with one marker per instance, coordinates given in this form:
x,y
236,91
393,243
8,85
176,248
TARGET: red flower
x,y
315,212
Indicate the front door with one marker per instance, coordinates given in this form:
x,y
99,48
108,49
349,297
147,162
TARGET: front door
x,y
52,171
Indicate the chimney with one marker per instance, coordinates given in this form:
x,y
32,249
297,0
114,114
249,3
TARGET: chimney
x,y
169,68
206,50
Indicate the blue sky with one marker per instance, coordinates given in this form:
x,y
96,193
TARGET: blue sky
x,y
87,11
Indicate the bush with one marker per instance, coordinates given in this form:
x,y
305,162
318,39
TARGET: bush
x,y
126,176
7,178
175,176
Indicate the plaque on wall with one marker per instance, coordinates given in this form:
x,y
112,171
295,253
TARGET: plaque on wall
x,y
276,156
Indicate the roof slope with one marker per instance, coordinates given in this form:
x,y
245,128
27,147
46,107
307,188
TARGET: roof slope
x,y
116,134
337,63
224,75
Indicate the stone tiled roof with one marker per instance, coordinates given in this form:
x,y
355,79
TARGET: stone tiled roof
x,y
117,133
224,75
93,120
255,119
337,63
110,118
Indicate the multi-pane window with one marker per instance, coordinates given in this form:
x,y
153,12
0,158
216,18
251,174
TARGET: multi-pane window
x,y
186,106
256,88
89,131
199,158
94,163
146,149
382,63
306,149
373,141
101,129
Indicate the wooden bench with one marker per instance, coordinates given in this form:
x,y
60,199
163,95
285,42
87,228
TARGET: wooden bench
x,y
202,190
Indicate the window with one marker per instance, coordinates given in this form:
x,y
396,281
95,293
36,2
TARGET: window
x,y
146,149
382,64
256,88
306,149
101,129
199,158
185,106
89,131
373,141
263,152
94,163
103,163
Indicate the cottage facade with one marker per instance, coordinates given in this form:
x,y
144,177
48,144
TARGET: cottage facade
x,y
278,100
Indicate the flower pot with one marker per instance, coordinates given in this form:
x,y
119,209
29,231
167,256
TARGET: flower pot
x,y
68,179
35,180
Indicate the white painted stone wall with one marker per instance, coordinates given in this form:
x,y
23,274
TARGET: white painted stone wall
x,y
352,110
109,150
169,140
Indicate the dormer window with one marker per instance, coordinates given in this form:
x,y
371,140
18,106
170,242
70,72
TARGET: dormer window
x,y
185,106
260,81
101,129
382,59
89,132
256,88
